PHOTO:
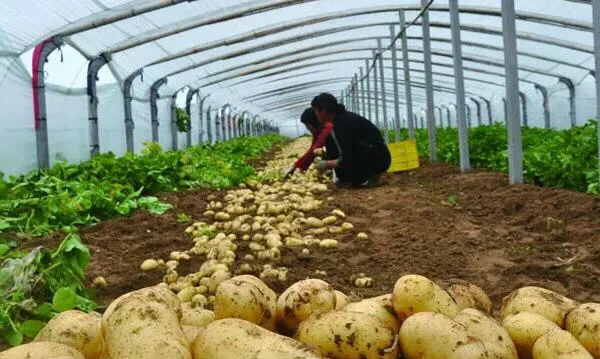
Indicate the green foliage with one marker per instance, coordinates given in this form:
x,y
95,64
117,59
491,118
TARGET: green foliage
x,y
108,186
184,122
559,158
183,218
36,286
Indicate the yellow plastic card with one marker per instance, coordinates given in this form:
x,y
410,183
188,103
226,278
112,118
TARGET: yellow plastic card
x,y
404,156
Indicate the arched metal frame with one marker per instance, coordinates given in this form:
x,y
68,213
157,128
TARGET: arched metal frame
x,y
507,12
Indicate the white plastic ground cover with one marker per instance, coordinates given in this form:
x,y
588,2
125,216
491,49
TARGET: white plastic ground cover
x,y
271,63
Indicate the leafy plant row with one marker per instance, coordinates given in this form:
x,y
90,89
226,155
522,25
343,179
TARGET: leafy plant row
x,y
558,158
107,186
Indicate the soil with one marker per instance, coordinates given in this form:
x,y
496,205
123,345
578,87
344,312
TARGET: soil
x,y
433,221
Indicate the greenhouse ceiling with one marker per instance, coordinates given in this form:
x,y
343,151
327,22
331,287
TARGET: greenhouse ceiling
x,y
268,58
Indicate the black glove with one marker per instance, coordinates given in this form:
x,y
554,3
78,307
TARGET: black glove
x,y
289,172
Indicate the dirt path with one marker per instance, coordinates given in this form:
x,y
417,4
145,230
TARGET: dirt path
x,y
497,236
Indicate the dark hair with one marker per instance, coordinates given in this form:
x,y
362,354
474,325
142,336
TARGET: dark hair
x,y
310,118
329,103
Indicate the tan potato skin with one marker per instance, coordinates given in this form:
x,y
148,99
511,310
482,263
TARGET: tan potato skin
x,y
559,344
341,300
542,301
42,350
246,297
191,333
239,339
381,307
349,335
495,338
470,296
196,316
144,326
525,328
584,323
76,329
414,293
301,300
429,335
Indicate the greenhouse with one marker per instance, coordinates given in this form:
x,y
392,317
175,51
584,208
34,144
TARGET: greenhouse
x,y
191,179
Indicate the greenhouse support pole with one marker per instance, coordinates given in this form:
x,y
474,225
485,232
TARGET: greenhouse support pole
x,y
38,83
376,90
448,119
459,83
571,86
407,82
356,95
234,126
422,122
94,66
478,105
440,117
395,79
429,82
415,121
209,126
515,147
127,98
218,120
524,104
201,118
469,118
363,109
488,103
369,110
174,127
244,121
188,110
386,124
545,104
255,125
596,16
154,96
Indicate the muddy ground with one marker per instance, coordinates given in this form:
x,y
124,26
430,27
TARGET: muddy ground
x,y
433,221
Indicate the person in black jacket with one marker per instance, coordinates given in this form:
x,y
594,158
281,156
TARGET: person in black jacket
x,y
358,153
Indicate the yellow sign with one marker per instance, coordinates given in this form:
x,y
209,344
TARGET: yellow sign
x,y
404,156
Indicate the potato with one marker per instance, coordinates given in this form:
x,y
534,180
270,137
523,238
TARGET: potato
x,y
341,300
196,316
42,350
494,337
584,323
429,335
470,296
525,328
302,299
191,332
77,330
246,297
559,344
380,307
349,335
158,293
144,325
238,339
544,302
216,279
413,294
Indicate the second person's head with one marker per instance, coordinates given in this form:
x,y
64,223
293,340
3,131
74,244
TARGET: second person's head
x,y
326,107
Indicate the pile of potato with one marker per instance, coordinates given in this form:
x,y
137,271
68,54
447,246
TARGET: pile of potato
x,y
263,217
419,320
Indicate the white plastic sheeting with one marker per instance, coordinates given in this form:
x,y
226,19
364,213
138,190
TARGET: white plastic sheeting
x,y
262,61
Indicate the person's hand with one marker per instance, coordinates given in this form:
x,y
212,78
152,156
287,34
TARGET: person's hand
x,y
289,172
320,151
322,166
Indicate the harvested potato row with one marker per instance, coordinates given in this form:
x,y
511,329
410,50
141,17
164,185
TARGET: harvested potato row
x,y
525,328
349,335
239,339
42,350
470,296
380,307
414,293
429,335
301,300
144,325
194,316
246,297
494,337
544,302
76,329
584,323
559,344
